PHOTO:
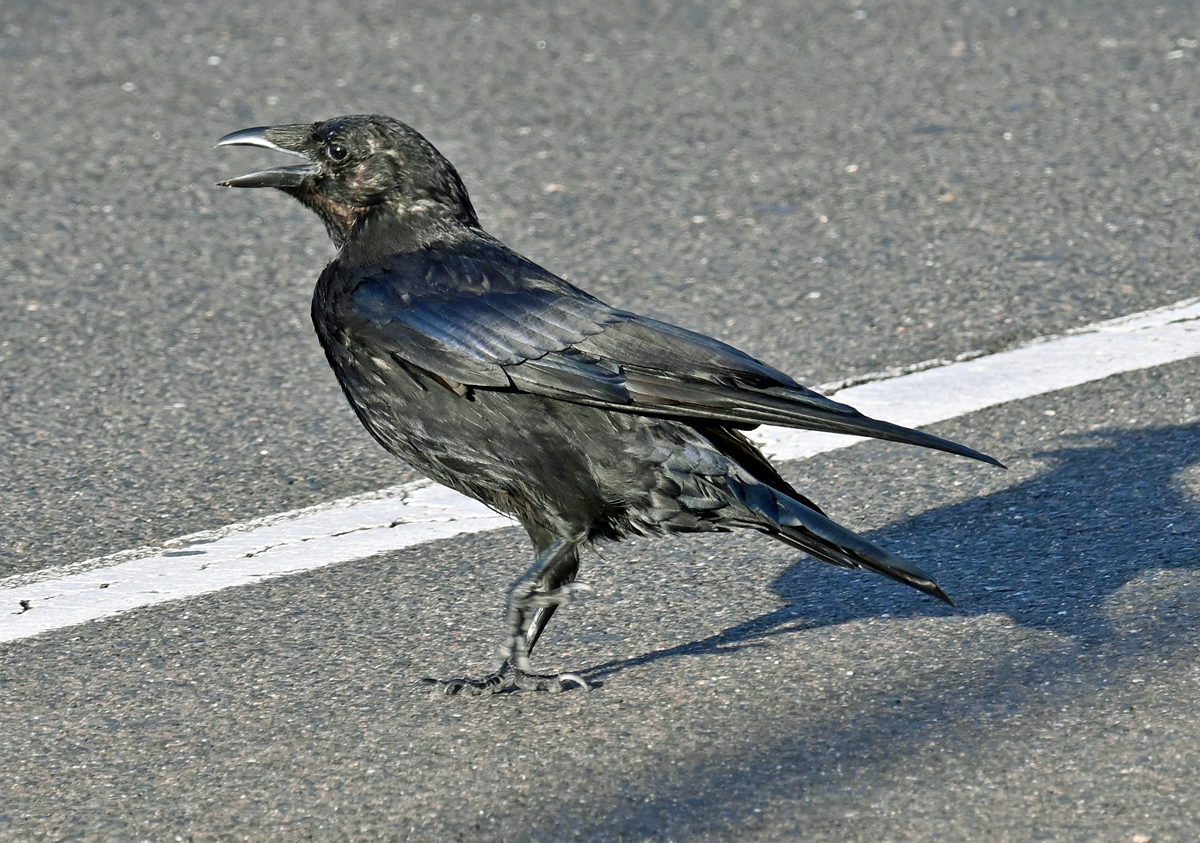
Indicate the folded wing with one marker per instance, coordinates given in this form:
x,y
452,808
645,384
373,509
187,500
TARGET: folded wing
x,y
483,317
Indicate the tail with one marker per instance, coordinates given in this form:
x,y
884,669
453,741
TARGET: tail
x,y
801,526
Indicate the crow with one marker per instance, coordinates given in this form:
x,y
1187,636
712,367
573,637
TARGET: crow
x,y
584,422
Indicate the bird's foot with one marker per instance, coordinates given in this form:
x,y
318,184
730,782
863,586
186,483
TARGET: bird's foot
x,y
507,678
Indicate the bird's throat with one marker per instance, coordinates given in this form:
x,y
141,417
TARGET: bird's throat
x,y
339,218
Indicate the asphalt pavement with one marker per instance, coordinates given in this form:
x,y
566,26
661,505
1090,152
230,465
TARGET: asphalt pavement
x,y
836,187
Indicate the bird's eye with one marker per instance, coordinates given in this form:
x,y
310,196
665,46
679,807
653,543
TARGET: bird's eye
x,y
336,152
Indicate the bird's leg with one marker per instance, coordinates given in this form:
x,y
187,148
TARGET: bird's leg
x,y
534,597
532,600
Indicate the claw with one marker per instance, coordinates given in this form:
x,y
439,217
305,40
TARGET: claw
x,y
507,678
573,677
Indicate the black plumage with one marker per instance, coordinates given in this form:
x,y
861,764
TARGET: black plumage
x,y
493,376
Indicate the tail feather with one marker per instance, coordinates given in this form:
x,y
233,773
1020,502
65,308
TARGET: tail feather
x,y
796,524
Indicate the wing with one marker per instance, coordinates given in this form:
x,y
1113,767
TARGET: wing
x,y
675,372
481,316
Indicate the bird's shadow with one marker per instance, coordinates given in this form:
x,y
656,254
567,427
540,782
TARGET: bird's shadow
x,y
1048,552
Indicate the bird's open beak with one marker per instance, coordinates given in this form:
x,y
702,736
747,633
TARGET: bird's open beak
x,y
280,139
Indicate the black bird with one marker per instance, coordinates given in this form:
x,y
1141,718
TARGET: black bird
x,y
493,376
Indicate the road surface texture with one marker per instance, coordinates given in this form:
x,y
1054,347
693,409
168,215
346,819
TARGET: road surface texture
x,y
838,189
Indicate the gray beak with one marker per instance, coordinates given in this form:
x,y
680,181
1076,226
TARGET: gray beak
x,y
280,177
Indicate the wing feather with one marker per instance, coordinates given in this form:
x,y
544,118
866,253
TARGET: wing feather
x,y
485,317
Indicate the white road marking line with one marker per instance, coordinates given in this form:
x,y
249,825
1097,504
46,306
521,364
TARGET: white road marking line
x,y
275,546
1138,341
402,516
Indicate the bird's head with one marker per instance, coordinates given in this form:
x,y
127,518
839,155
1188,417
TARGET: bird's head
x,y
356,166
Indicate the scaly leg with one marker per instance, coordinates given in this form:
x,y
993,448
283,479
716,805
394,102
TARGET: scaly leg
x,y
532,600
